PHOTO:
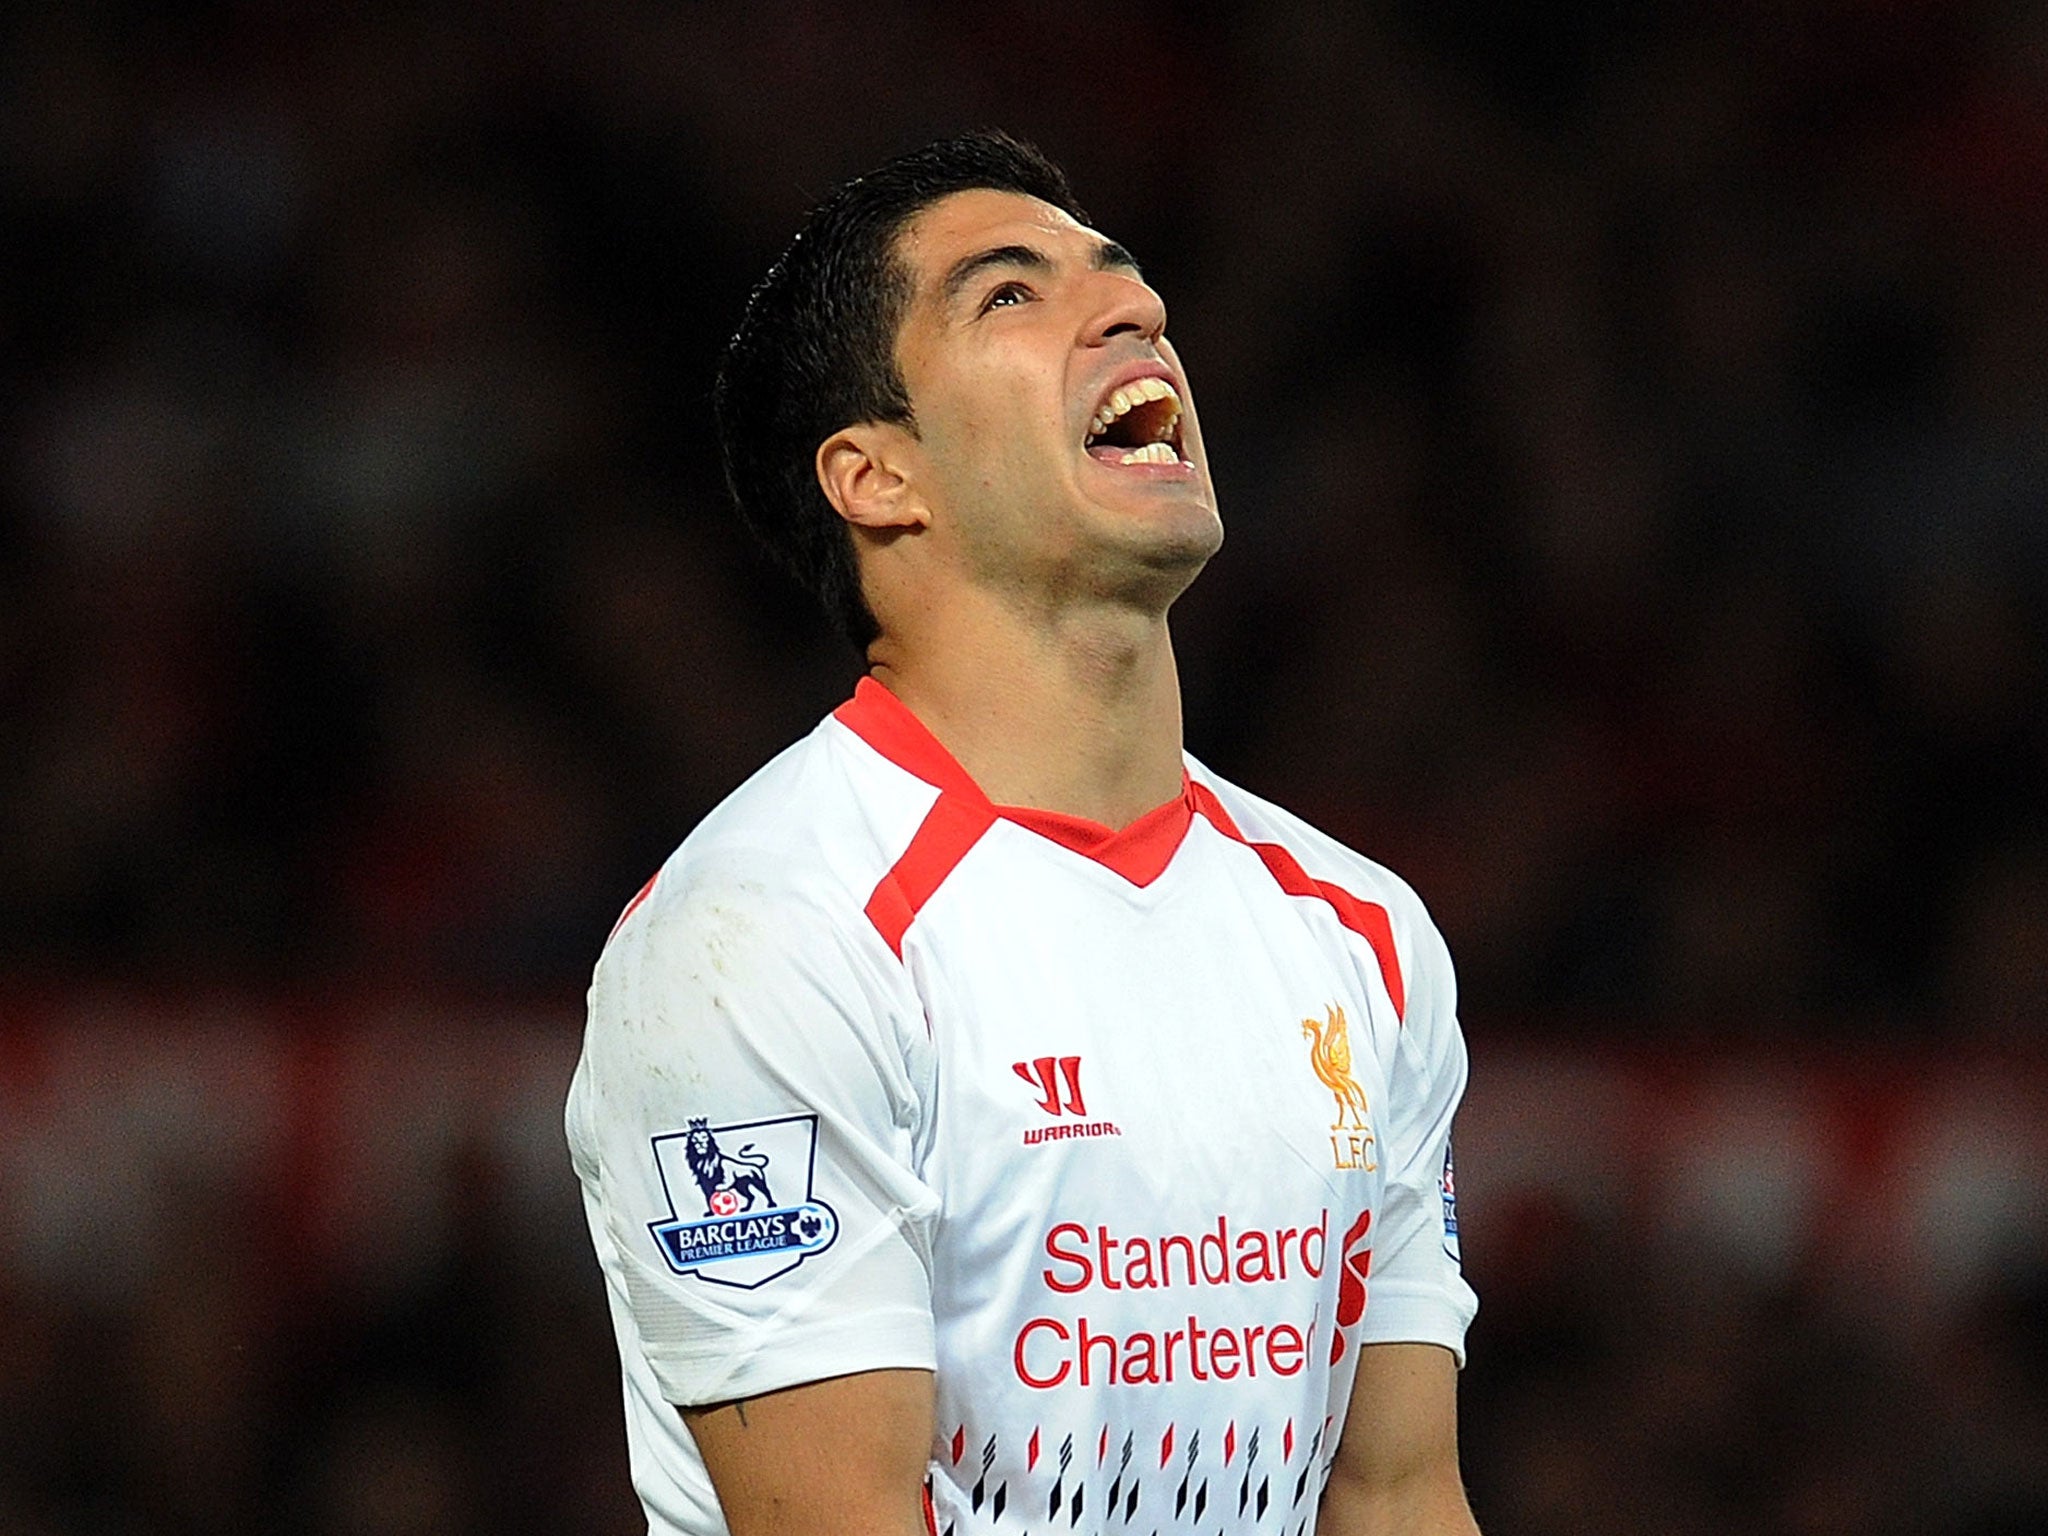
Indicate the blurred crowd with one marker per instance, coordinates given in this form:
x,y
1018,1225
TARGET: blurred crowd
x,y
323,1273
1630,427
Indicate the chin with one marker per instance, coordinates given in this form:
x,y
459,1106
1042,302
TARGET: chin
x,y
1163,557
1188,525
1198,535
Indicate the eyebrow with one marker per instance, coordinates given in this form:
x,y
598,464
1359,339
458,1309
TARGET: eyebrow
x,y
1028,258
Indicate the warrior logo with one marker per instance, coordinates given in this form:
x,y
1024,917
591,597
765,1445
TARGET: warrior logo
x,y
1057,1080
1039,1074
746,1236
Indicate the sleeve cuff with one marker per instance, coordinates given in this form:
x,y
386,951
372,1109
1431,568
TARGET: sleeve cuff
x,y
1416,1315
786,1354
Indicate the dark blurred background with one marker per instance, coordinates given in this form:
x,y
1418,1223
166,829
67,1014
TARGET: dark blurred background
x,y
1632,424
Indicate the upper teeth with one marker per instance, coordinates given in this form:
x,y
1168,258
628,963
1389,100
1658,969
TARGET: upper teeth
x,y
1136,393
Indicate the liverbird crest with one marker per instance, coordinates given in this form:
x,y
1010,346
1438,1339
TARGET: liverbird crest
x,y
1330,1059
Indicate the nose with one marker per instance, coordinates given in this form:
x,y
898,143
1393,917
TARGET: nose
x,y
1126,306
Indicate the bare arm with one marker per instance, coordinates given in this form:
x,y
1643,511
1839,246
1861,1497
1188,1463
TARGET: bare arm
x,y
842,1457
1397,1470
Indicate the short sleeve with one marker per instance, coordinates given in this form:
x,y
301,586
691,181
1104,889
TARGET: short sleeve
x,y
1417,1292
744,1119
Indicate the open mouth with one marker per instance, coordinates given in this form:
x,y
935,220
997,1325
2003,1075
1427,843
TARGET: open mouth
x,y
1138,424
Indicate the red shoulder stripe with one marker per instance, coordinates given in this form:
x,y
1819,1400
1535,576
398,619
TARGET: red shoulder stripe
x,y
633,905
1367,919
953,825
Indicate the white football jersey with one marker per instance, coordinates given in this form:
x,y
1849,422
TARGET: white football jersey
x,y
1133,1137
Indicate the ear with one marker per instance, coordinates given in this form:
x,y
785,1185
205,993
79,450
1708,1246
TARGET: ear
x,y
862,470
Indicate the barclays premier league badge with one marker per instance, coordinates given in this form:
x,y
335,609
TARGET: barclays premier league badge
x,y
1450,1194
752,1184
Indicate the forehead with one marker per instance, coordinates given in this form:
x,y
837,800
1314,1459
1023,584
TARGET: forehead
x,y
980,218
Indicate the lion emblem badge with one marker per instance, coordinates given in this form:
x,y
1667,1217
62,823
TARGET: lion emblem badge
x,y
748,1233
730,1181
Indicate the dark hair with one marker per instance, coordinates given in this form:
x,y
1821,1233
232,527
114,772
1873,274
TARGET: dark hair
x,y
816,350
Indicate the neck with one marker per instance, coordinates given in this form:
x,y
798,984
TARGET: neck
x,y
1080,715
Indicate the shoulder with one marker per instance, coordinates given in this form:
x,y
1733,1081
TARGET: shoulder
x,y
1324,861
748,963
1260,821
787,860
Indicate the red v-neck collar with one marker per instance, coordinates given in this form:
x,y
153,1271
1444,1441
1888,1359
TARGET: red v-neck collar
x,y
1139,852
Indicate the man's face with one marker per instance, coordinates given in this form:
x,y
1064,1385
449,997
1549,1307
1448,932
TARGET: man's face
x,y
1057,446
